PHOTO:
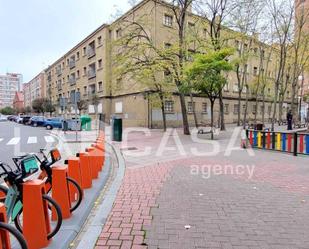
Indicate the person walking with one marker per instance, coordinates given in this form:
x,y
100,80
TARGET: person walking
x,y
289,118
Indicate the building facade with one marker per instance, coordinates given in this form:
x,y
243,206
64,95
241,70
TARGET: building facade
x,y
89,70
35,88
9,84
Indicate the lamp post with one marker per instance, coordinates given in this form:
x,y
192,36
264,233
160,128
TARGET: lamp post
x,y
301,79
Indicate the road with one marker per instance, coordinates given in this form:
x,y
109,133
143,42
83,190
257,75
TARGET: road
x,y
17,139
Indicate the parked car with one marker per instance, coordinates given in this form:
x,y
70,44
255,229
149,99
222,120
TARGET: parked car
x,y
11,117
3,118
52,123
19,119
26,120
14,119
37,121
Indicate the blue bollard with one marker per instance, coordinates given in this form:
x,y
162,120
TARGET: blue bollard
x,y
307,144
283,142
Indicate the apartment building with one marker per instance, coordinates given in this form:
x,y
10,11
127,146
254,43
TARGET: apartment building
x,y
35,88
9,84
89,70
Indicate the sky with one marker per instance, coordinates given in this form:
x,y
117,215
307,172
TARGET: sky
x,y
35,33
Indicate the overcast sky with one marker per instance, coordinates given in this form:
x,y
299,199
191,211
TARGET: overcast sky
x,y
34,33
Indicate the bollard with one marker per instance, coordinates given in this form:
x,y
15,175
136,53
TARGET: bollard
x,y
85,169
93,163
4,235
74,173
36,224
60,191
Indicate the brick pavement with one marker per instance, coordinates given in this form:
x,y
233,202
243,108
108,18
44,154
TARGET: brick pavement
x,y
155,202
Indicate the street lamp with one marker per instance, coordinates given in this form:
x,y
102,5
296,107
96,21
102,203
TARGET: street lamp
x,y
301,79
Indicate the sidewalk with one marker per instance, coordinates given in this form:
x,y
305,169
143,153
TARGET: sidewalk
x,y
171,199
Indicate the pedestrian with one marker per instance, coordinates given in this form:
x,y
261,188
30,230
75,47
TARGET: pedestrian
x,y
289,118
307,116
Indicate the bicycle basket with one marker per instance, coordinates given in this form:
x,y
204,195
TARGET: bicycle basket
x,y
29,165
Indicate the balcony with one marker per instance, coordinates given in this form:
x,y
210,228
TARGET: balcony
x,y
72,80
49,77
58,71
90,52
91,74
72,64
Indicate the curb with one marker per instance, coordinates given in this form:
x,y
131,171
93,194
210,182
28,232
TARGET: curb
x,y
90,237
71,227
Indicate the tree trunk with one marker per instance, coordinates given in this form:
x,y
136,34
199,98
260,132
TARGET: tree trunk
x,y
246,108
193,109
263,105
163,112
212,117
239,108
222,123
186,130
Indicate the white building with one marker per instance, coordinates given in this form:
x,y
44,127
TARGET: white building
x,y
9,84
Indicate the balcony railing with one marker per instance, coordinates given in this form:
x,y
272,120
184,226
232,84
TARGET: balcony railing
x,y
58,71
72,64
91,74
90,52
72,80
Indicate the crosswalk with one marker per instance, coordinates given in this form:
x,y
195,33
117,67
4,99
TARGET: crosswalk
x,y
30,140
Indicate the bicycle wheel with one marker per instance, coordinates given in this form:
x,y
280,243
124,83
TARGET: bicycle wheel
x,y
78,193
55,225
3,192
14,234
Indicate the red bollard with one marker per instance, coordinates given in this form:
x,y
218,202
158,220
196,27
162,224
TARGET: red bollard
x,y
36,224
4,236
74,173
301,143
85,169
93,162
60,191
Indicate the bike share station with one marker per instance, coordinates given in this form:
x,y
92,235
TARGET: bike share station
x,y
45,203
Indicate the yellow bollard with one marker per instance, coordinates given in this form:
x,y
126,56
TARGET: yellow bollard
x,y
278,141
260,139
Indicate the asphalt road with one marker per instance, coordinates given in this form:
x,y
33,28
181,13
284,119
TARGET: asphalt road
x,y
17,139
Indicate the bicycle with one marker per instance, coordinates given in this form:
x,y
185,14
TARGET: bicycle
x,y
6,229
46,167
28,169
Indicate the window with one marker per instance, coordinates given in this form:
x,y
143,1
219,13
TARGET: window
x,y
191,26
235,88
85,70
205,33
118,33
236,108
243,108
255,71
204,107
91,71
226,87
245,47
99,40
100,63
68,62
84,50
169,106
91,49
168,20
77,55
100,86
91,89
226,108
77,73
85,90
269,110
255,51
191,107
262,109
288,94
268,91
167,45
253,109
